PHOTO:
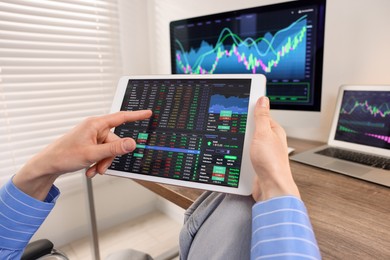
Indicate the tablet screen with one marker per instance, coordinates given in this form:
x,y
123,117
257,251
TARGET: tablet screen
x,y
196,132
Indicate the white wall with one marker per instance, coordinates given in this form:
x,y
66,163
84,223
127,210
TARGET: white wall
x,y
356,45
134,33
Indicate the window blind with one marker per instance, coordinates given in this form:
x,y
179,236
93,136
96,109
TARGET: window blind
x,y
59,63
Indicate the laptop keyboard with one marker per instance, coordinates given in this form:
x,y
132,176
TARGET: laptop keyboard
x,y
370,160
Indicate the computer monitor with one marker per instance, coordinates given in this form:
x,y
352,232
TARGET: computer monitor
x,y
283,41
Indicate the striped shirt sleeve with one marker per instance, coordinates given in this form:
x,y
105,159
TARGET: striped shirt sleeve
x,y
20,217
281,229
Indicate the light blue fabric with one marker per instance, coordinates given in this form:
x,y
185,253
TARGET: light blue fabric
x,y
281,229
20,217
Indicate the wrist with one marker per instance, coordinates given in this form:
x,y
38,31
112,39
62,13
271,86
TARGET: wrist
x,y
267,194
34,179
282,185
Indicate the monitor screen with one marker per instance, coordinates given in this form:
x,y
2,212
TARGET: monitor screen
x,y
282,41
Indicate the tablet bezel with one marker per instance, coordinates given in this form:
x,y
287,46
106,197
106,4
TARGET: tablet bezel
x,y
257,89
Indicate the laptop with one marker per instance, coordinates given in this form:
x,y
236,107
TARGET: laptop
x,y
359,139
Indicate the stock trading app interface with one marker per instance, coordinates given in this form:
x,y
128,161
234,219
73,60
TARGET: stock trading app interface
x,y
364,118
196,132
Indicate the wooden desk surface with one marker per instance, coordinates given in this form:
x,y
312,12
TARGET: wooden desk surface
x,y
351,217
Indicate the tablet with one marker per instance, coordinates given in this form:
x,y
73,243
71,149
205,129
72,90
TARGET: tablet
x,y
199,134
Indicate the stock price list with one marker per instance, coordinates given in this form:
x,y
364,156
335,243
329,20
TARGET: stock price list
x,y
196,132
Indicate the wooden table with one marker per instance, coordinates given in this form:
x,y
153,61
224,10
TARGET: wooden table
x,y
351,217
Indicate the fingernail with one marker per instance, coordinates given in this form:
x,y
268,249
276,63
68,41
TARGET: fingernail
x,y
263,101
128,145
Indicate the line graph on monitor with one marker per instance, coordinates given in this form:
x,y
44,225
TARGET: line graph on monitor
x,y
284,42
281,53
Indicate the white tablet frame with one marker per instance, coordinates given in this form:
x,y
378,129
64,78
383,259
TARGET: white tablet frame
x,y
258,89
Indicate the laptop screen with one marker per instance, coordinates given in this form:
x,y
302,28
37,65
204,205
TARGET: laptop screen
x,y
365,118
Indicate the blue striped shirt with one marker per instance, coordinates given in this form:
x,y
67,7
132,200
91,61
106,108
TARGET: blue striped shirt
x,y
20,217
281,229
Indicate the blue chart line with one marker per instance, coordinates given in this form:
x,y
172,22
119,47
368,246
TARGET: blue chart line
x,y
235,104
278,55
167,149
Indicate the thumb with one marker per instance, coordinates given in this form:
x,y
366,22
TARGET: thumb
x,y
262,116
114,148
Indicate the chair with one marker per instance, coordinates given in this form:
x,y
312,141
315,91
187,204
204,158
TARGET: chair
x,y
42,249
